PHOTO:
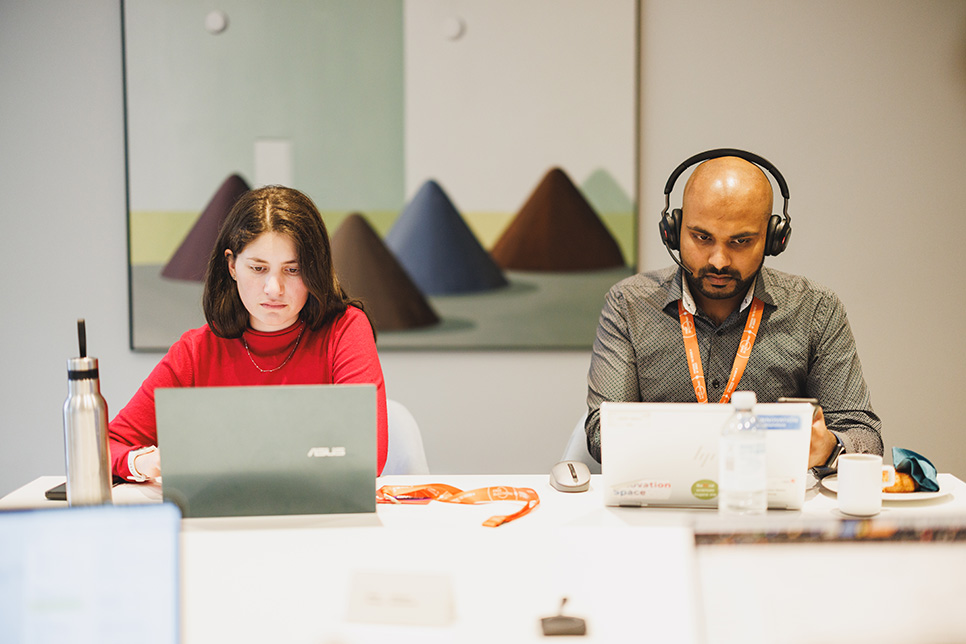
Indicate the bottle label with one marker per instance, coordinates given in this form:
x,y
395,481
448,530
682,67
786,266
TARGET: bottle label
x,y
743,466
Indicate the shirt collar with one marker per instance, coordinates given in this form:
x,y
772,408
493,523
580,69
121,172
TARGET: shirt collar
x,y
692,308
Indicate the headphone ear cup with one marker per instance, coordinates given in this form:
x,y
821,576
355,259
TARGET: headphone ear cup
x,y
670,227
779,232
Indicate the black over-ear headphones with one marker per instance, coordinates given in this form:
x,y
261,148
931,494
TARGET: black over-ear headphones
x,y
779,228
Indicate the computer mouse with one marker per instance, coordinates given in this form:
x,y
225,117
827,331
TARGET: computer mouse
x,y
570,476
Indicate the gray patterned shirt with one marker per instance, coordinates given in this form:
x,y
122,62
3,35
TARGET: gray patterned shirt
x,y
804,348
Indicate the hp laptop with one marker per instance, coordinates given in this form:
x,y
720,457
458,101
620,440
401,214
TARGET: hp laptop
x,y
67,574
666,454
274,450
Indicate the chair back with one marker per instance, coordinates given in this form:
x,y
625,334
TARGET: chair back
x,y
576,449
406,453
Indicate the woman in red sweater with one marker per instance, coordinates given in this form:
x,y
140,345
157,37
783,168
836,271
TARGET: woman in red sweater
x,y
276,316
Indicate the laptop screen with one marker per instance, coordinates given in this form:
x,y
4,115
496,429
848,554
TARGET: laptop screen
x,y
70,574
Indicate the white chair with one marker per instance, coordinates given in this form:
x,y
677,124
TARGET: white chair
x,y
576,449
406,453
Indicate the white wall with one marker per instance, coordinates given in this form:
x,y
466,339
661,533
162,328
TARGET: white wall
x,y
860,104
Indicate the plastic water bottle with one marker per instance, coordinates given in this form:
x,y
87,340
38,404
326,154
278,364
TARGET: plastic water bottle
x,y
85,431
742,463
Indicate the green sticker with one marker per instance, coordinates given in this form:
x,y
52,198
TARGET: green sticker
x,y
704,489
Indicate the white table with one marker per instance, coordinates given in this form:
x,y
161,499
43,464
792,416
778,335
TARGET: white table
x,y
556,508
633,573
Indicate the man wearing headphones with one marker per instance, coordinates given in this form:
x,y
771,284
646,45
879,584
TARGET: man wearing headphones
x,y
721,321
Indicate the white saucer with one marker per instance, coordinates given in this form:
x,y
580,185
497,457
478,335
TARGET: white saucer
x,y
831,483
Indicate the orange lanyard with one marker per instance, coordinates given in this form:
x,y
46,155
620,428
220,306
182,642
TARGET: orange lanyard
x,y
689,332
449,494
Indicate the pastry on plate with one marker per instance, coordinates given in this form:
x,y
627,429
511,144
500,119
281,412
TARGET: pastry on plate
x,y
904,483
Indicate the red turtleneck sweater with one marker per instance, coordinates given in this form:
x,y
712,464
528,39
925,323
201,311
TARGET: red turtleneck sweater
x,y
344,351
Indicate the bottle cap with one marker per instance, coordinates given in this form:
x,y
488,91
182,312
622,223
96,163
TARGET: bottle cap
x,y
82,369
743,399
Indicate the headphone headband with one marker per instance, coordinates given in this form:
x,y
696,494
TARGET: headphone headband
x,y
728,152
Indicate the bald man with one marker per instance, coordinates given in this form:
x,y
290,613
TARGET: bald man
x,y
803,347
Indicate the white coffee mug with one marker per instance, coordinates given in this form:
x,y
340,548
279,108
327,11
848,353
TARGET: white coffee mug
x,y
861,479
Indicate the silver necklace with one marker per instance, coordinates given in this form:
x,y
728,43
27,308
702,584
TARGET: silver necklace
x,y
284,362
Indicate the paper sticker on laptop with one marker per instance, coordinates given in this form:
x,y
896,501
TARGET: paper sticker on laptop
x,y
704,489
643,490
779,421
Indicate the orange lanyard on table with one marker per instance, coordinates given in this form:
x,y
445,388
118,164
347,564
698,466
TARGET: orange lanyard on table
x,y
449,494
689,332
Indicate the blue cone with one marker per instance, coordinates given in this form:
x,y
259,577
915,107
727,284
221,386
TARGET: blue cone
x,y
437,248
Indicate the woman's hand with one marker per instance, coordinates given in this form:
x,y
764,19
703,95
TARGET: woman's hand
x,y
148,464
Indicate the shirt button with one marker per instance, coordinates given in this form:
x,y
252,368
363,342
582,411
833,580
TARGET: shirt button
x,y
715,383
719,333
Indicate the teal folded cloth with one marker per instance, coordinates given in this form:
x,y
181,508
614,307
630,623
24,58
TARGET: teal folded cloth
x,y
918,467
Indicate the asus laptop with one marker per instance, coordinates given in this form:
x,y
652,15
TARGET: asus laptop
x,y
97,574
274,450
666,454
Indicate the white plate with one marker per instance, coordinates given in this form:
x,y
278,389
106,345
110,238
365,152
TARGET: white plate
x,y
831,483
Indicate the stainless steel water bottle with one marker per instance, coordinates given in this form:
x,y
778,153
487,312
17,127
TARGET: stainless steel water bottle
x,y
85,431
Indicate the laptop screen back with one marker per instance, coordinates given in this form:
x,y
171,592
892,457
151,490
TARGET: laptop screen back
x,y
78,574
667,453
275,450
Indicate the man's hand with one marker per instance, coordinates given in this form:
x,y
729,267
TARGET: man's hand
x,y
822,442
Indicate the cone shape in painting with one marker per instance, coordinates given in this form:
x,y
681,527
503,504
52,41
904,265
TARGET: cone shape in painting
x,y
437,248
368,271
190,261
557,230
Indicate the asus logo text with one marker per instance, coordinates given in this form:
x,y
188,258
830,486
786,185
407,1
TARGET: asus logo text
x,y
325,452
